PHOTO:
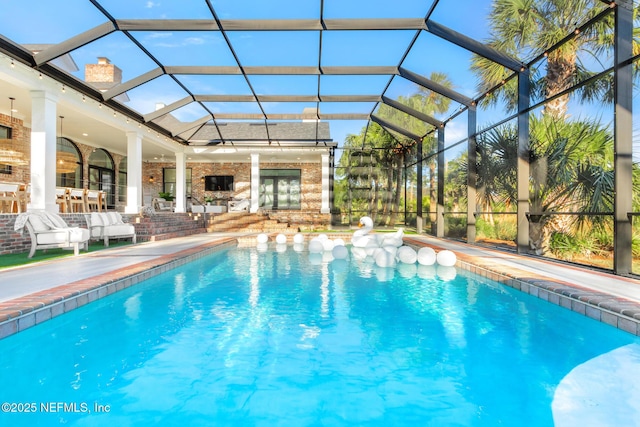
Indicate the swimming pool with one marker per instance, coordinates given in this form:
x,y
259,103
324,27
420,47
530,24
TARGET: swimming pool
x,y
244,337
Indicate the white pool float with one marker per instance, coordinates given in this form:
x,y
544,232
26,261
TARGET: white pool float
x,y
340,252
446,258
385,259
328,245
316,246
407,255
426,256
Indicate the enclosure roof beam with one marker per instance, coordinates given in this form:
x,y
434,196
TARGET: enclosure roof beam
x,y
73,43
387,125
412,112
435,87
474,46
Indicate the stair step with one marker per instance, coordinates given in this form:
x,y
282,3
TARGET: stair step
x,y
245,222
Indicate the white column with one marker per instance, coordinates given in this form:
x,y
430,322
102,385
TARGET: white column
x,y
255,183
43,151
134,172
324,207
181,182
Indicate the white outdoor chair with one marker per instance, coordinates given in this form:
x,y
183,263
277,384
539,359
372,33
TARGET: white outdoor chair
x,y
49,230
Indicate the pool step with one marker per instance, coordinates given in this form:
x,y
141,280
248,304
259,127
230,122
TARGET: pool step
x,y
245,222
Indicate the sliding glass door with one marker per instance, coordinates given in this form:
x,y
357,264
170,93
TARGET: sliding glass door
x,y
280,189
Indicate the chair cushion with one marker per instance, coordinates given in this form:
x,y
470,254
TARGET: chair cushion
x,y
115,218
60,236
56,220
120,230
51,237
97,219
38,224
79,234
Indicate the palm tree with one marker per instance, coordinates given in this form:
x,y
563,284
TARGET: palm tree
x,y
572,169
526,28
385,153
563,155
497,157
572,166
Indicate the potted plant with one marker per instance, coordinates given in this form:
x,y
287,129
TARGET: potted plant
x,y
167,196
208,199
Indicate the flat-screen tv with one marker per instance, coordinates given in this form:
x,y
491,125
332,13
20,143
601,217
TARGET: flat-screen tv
x,y
218,183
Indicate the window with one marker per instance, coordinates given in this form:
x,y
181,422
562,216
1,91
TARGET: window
x,y
169,181
122,181
68,175
102,174
5,133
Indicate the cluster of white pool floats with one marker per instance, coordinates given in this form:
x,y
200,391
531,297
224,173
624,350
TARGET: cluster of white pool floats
x,y
385,249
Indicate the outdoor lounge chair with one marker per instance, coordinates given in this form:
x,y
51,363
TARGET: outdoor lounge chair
x,y
162,205
109,225
241,205
48,230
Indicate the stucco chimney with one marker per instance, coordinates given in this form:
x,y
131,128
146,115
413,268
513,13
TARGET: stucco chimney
x,y
310,114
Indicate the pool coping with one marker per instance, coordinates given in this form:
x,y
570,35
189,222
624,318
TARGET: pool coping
x,y
21,313
619,312
24,312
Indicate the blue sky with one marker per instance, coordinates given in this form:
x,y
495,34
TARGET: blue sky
x,y
44,21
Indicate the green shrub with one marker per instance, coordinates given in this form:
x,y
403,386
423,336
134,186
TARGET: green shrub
x,y
567,246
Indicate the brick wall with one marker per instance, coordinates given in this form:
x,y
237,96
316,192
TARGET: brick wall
x,y
148,228
21,142
310,174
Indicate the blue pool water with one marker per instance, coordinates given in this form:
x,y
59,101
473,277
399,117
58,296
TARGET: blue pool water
x,y
244,338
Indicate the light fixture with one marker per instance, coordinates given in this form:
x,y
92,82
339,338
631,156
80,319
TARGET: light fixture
x,y
8,154
151,179
66,162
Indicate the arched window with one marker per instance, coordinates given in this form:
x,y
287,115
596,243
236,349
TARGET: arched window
x,y
102,174
122,181
68,164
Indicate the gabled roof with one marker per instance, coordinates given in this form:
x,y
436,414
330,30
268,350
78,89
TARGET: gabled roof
x,y
280,133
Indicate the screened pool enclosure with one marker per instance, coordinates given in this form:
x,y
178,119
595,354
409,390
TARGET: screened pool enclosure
x,y
507,123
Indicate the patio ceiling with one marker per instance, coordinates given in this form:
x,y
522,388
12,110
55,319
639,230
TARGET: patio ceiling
x,y
210,62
